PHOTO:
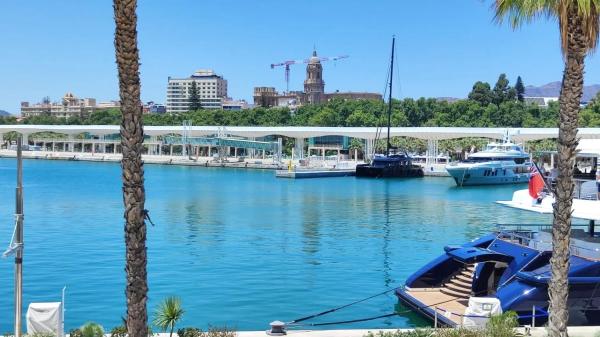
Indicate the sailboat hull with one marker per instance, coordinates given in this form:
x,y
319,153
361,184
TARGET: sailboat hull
x,y
393,171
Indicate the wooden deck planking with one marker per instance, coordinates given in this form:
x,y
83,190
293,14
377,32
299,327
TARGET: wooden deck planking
x,y
435,298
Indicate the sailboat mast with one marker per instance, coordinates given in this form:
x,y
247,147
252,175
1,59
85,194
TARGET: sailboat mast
x,y
387,152
19,240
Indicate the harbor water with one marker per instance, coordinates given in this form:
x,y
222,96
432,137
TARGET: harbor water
x,y
239,247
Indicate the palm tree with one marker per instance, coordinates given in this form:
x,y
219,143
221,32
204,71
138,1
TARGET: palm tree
x,y
132,136
168,313
578,25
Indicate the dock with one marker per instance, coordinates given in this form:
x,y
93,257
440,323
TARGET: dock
x,y
314,173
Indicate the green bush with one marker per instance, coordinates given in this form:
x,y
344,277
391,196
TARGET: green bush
x,y
8,334
498,326
212,332
407,333
220,332
75,333
189,332
168,313
119,331
502,325
461,332
92,329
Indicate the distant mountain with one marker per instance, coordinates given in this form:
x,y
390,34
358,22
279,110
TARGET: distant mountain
x,y
4,113
447,99
552,89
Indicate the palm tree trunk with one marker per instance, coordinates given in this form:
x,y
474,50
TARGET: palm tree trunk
x,y
570,97
132,136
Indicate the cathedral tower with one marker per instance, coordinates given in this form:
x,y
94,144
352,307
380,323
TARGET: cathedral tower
x,y
314,87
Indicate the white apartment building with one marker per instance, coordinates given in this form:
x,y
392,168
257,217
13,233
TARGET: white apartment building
x,y
212,91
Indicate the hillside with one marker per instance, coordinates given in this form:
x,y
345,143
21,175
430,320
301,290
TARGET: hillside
x,y
4,113
552,89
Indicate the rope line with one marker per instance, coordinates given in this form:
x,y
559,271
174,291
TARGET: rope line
x,y
339,308
349,321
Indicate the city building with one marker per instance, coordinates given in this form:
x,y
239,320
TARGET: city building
x,y
154,108
211,91
109,105
265,96
230,104
314,91
540,101
69,106
352,95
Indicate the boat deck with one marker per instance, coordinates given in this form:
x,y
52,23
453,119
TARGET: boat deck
x,y
445,304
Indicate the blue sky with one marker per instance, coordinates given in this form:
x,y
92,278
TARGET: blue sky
x,y
51,47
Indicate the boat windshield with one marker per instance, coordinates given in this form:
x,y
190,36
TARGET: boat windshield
x,y
494,147
473,159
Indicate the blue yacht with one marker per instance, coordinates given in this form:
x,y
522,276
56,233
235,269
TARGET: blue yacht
x,y
506,270
499,163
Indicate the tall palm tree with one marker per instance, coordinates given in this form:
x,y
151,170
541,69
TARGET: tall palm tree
x,y
578,25
132,136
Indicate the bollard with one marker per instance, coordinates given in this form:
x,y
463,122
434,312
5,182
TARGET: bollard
x,y
277,328
435,313
533,318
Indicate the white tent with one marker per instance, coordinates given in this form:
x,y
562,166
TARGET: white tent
x,y
45,317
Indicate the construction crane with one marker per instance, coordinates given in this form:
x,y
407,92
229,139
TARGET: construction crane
x,y
288,63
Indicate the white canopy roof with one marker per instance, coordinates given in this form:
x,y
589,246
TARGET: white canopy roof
x,y
427,133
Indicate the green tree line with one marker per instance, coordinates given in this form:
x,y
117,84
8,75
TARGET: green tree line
x,y
486,106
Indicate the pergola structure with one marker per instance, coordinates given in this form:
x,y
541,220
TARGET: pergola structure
x,y
300,133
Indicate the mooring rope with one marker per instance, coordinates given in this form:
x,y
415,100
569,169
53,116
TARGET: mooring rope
x,y
349,321
339,308
295,323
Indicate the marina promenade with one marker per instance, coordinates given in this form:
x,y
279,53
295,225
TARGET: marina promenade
x,y
433,133
193,147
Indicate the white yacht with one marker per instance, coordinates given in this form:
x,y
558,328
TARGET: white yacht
x,y
499,163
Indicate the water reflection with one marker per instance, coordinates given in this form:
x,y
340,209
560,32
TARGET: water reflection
x,y
311,219
387,279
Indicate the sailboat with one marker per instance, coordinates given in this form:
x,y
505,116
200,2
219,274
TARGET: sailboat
x,y
391,164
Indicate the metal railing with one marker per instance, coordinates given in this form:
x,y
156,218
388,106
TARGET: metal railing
x,y
524,234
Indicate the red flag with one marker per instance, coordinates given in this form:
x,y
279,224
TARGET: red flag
x,y
536,183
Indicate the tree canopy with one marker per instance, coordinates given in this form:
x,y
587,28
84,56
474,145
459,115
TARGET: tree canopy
x,y
484,107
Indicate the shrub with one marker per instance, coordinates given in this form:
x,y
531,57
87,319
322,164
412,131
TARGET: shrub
x,y
497,326
119,331
462,332
189,332
92,329
407,333
167,314
502,325
75,333
8,334
212,332
220,332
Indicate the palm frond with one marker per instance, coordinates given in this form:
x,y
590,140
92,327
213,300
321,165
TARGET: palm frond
x,y
519,12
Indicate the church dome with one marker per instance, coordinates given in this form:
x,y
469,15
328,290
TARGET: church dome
x,y
314,59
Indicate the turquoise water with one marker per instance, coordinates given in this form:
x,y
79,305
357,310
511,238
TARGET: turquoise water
x,y
239,247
